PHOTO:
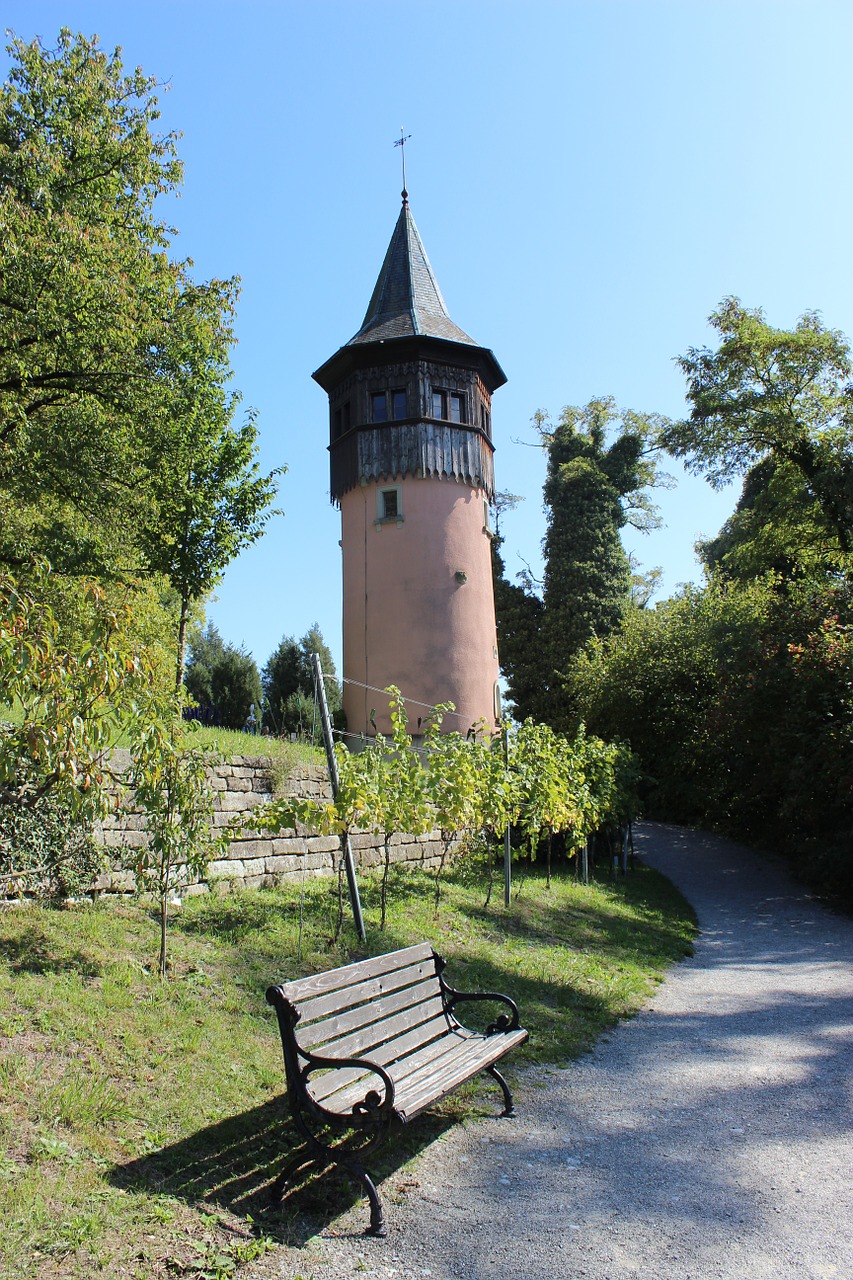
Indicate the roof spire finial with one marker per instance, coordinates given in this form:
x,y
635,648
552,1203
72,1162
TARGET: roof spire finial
x,y
401,143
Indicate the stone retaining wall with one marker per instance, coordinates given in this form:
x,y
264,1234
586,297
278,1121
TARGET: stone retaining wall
x,y
256,860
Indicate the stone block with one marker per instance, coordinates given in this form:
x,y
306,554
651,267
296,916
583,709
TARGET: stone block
x,y
279,866
323,844
225,868
224,818
289,844
229,802
250,848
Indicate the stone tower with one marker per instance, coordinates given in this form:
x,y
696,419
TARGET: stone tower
x,y
411,468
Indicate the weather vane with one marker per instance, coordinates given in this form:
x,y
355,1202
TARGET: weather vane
x,y
401,143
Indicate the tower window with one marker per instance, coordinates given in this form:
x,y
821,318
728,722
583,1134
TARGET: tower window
x,y
389,506
341,421
386,406
399,406
448,405
485,419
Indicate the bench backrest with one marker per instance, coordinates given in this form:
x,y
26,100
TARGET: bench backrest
x,y
391,1002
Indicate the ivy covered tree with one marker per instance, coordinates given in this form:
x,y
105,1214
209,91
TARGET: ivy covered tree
x,y
601,462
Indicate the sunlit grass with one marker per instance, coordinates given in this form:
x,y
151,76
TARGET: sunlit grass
x,y
139,1121
226,742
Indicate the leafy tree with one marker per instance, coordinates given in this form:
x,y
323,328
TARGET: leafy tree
x,y
778,526
68,697
288,683
280,679
222,677
87,286
169,779
117,449
738,701
312,642
773,394
211,499
71,702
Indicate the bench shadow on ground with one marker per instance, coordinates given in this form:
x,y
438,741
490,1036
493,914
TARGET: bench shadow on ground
x,y
231,1165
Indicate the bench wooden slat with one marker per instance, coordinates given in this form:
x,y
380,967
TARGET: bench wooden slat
x,y
302,989
367,1040
421,1092
348,997
428,1073
383,1007
386,1054
420,1055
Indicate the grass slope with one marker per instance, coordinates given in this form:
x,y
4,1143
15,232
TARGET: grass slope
x,y
140,1120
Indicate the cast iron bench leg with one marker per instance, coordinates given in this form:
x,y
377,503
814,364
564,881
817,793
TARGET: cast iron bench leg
x,y
302,1161
509,1106
377,1218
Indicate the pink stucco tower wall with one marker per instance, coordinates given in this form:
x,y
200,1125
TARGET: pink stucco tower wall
x,y
411,469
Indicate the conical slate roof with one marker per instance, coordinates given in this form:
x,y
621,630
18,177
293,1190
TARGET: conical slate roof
x,y
407,301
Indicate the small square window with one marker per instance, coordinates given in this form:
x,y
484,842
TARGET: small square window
x,y
378,406
390,504
457,408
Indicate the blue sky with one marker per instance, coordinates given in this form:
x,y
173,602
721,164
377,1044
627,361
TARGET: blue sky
x,y
589,179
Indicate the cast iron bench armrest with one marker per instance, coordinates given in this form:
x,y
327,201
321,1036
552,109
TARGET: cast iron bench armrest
x,y
315,1062
502,1023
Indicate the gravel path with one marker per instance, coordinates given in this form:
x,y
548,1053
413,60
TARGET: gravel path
x,y
709,1137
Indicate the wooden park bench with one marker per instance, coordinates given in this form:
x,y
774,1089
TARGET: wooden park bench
x,y
370,1046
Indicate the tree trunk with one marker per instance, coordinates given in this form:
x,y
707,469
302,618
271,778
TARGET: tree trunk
x,y
182,644
383,897
164,917
446,838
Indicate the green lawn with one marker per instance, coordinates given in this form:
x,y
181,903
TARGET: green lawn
x,y
139,1120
